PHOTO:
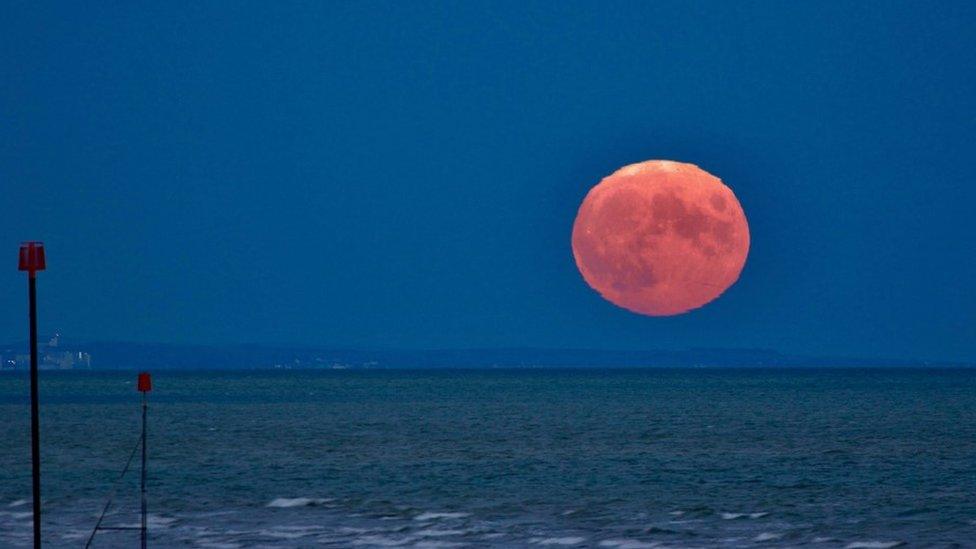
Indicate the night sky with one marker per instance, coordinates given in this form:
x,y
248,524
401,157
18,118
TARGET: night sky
x,y
406,175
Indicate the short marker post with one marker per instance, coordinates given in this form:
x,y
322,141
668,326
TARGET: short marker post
x,y
32,260
144,386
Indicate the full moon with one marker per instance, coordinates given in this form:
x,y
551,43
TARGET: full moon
x,y
660,238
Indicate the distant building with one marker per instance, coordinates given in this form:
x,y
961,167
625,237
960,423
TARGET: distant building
x,y
64,360
52,356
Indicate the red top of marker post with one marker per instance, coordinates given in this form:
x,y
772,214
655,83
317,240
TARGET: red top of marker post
x,y
32,258
145,382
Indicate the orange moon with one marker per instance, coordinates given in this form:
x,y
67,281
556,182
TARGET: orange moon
x,y
660,238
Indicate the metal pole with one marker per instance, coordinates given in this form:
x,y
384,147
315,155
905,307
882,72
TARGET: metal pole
x,y
143,483
32,260
35,420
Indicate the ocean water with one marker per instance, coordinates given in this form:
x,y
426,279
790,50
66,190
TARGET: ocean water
x,y
531,458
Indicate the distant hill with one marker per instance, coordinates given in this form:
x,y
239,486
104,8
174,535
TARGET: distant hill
x,y
116,355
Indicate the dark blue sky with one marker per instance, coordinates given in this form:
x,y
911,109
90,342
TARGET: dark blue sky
x,y
406,175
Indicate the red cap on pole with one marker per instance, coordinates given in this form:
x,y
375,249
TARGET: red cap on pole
x,y
32,258
145,382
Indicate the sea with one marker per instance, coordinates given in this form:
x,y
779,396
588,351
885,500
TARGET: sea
x,y
609,458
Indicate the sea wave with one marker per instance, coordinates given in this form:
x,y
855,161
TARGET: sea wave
x,y
382,541
297,502
152,521
284,533
20,515
438,516
734,516
435,533
874,544
568,540
627,544
662,530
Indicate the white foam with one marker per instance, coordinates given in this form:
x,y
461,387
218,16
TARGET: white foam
x,y
873,544
568,540
285,503
17,503
152,521
438,516
158,520
767,536
75,535
734,516
438,544
279,534
822,539
626,544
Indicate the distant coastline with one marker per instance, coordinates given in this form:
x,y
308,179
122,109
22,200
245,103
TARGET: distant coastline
x,y
158,356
